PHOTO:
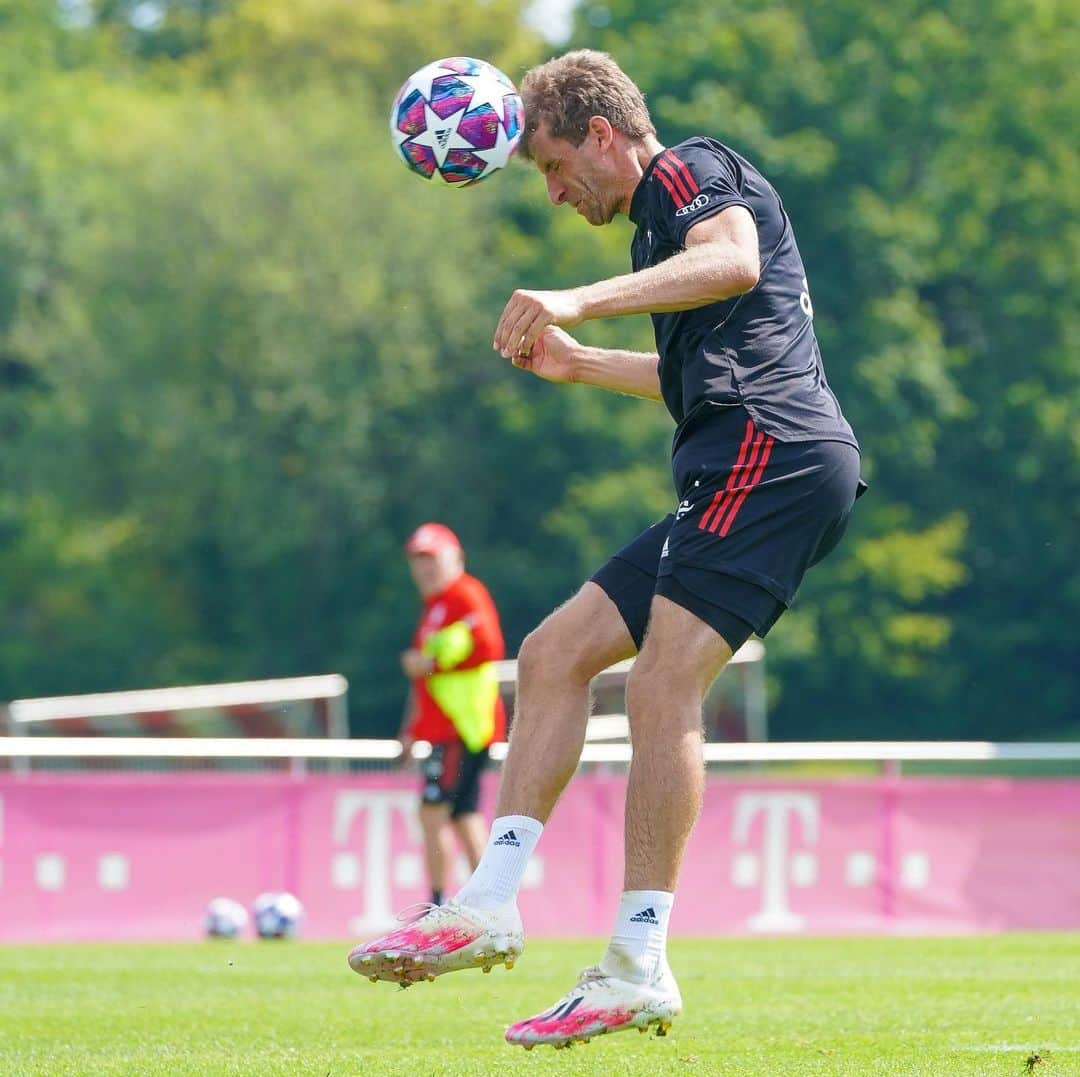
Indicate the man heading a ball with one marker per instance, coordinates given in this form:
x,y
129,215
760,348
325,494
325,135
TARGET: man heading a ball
x,y
766,472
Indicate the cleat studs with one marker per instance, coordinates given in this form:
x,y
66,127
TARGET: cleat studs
x,y
509,965
487,968
662,1028
642,1029
430,977
528,1046
374,979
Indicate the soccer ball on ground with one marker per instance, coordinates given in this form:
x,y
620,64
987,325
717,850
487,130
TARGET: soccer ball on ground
x,y
277,915
225,918
457,119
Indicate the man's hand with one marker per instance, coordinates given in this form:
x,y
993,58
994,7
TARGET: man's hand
x,y
405,755
527,313
415,664
552,357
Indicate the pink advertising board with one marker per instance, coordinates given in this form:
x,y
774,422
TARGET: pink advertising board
x,y
138,857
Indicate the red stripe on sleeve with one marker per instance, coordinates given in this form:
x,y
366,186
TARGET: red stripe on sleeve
x,y
667,168
670,187
683,170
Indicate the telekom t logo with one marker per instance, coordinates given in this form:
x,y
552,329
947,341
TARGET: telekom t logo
x,y
379,850
378,871
778,864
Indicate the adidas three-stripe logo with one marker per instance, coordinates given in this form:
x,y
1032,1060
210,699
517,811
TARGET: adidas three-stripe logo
x,y
509,838
646,916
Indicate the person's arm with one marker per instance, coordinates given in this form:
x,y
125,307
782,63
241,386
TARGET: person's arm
x,y
405,735
556,356
721,260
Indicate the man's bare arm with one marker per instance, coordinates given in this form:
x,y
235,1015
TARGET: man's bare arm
x,y
558,357
721,260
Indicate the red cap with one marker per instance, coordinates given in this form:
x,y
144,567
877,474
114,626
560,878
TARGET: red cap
x,y
432,538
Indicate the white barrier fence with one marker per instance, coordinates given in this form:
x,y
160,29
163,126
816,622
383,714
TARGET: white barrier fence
x,y
205,709
382,751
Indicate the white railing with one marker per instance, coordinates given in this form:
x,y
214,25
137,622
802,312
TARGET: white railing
x,y
26,715
385,750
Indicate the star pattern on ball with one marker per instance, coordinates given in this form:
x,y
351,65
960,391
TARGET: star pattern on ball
x,y
457,120
441,135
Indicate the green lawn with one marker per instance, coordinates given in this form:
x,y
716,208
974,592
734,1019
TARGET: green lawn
x,y
781,1008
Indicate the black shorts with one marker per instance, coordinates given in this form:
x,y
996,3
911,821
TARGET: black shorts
x,y
452,776
754,514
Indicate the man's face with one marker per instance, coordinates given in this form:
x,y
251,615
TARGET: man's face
x,y
434,572
581,176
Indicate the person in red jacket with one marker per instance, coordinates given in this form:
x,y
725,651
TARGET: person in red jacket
x,y
454,701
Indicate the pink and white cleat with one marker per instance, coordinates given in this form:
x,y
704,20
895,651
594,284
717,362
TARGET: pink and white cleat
x,y
445,938
600,1004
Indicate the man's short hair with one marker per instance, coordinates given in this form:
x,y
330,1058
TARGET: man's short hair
x,y
565,93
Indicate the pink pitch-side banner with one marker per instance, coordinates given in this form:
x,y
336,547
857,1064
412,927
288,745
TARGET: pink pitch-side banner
x,y
122,857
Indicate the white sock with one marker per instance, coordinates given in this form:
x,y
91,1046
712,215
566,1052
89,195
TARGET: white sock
x,y
639,943
498,875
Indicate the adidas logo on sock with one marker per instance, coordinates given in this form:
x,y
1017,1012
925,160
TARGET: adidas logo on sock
x,y
646,916
509,838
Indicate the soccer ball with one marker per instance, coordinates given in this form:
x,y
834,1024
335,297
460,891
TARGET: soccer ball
x,y
457,119
277,915
225,918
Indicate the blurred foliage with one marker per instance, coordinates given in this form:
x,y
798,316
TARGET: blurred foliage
x,y
243,353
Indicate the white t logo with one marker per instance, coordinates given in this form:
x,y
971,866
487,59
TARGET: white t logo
x,y
376,871
773,869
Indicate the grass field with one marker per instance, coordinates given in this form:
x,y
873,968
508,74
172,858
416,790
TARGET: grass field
x,y
782,1008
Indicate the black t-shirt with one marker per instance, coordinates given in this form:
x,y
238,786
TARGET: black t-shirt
x,y
756,349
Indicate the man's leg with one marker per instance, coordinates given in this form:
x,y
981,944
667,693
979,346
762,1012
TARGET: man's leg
x,y
632,987
682,656
481,925
438,846
555,665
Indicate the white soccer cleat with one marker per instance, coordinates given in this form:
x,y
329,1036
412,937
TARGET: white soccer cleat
x,y
600,1004
445,938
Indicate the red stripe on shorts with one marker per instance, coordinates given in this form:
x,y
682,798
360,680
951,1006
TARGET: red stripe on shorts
x,y
737,503
721,495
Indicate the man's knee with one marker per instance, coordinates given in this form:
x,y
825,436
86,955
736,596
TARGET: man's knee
x,y
652,689
576,642
673,671
434,816
550,653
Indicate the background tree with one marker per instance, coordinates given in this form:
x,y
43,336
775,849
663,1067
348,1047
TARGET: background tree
x,y
243,353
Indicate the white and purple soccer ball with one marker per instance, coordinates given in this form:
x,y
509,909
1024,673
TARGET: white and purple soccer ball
x,y
277,915
457,120
225,918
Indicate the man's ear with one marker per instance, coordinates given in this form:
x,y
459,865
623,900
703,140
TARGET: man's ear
x,y
601,132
